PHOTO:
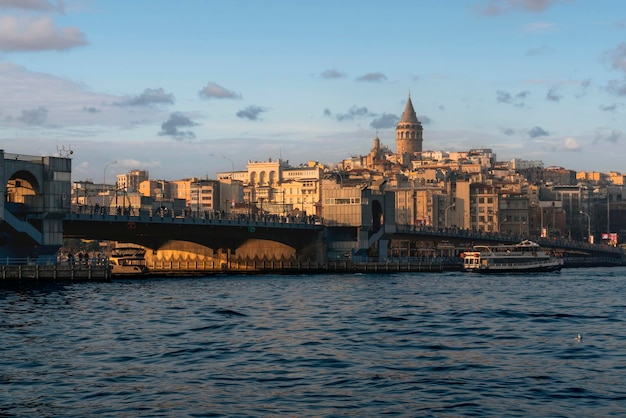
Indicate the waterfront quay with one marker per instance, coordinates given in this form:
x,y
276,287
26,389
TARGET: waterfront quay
x,y
194,268
54,272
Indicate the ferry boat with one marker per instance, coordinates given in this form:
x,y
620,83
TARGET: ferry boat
x,y
527,256
125,261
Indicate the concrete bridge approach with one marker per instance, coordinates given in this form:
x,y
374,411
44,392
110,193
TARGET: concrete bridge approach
x,y
36,201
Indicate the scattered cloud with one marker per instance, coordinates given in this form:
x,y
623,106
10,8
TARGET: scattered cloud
x,y
251,112
171,127
353,113
609,108
38,5
508,98
149,97
605,135
332,74
616,59
538,27
571,144
617,87
72,104
215,91
34,117
540,51
385,121
133,164
425,120
537,132
508,131
584,85
554,94
492,8
37,34
373,77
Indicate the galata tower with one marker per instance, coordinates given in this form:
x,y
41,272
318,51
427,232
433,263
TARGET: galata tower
x,y
409,131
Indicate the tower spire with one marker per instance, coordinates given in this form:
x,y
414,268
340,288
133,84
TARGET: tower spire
x,y
409,131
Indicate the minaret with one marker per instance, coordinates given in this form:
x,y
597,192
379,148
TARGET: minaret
x,y
409,131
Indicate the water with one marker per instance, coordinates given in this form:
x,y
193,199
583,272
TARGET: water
x,y
439,345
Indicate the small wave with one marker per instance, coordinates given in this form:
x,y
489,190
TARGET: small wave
x,y
228,312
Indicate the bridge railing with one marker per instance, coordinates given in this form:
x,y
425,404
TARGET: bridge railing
x,y
28,261
133,215
508,238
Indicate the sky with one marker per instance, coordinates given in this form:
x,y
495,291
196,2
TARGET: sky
x,y
193,87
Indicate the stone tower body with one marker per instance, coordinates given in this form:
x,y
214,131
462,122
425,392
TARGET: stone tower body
x,y
409,131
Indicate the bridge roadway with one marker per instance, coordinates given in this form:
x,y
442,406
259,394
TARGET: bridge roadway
x,y
153,231
462,238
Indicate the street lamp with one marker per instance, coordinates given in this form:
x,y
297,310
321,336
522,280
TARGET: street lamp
x,y
445,215
589,237
232,175
502,223
232,167
541,234
104,177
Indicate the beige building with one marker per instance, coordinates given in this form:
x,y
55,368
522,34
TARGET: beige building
x,y
131,180
276,187
204,197
484,208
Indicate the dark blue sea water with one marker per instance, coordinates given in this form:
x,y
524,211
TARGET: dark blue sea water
x,y
438,345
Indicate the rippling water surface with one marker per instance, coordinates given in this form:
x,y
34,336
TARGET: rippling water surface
x,y
338,345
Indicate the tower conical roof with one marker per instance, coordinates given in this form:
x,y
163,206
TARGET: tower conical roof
x,y
409,113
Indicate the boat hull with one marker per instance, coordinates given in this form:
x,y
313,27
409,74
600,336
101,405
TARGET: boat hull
x,y
515,269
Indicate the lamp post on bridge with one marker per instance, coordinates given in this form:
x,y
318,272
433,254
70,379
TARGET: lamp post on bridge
x,y
589,238
104,179
445,215
232,168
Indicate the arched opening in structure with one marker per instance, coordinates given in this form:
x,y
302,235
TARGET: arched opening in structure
x,y
23,194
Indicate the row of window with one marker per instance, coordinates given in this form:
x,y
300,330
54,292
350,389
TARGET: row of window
x,y
342,201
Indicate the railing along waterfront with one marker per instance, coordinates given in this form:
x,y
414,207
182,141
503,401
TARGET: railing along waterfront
x,y
24,268
197,267
471,235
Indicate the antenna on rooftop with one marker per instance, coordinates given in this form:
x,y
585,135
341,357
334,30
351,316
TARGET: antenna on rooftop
x,y
65,152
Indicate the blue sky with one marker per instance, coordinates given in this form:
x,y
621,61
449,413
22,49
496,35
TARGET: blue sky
x,y
182,88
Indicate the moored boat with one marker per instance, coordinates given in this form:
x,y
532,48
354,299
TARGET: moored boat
x,y
128,261
527,256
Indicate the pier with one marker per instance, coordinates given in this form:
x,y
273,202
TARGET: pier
x,y
54,272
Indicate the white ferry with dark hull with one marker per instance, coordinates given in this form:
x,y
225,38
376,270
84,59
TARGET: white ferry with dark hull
x,y
525,257
128,261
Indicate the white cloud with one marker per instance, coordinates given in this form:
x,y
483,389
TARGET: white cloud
x,y
39,5
67,103
37,34
571,144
